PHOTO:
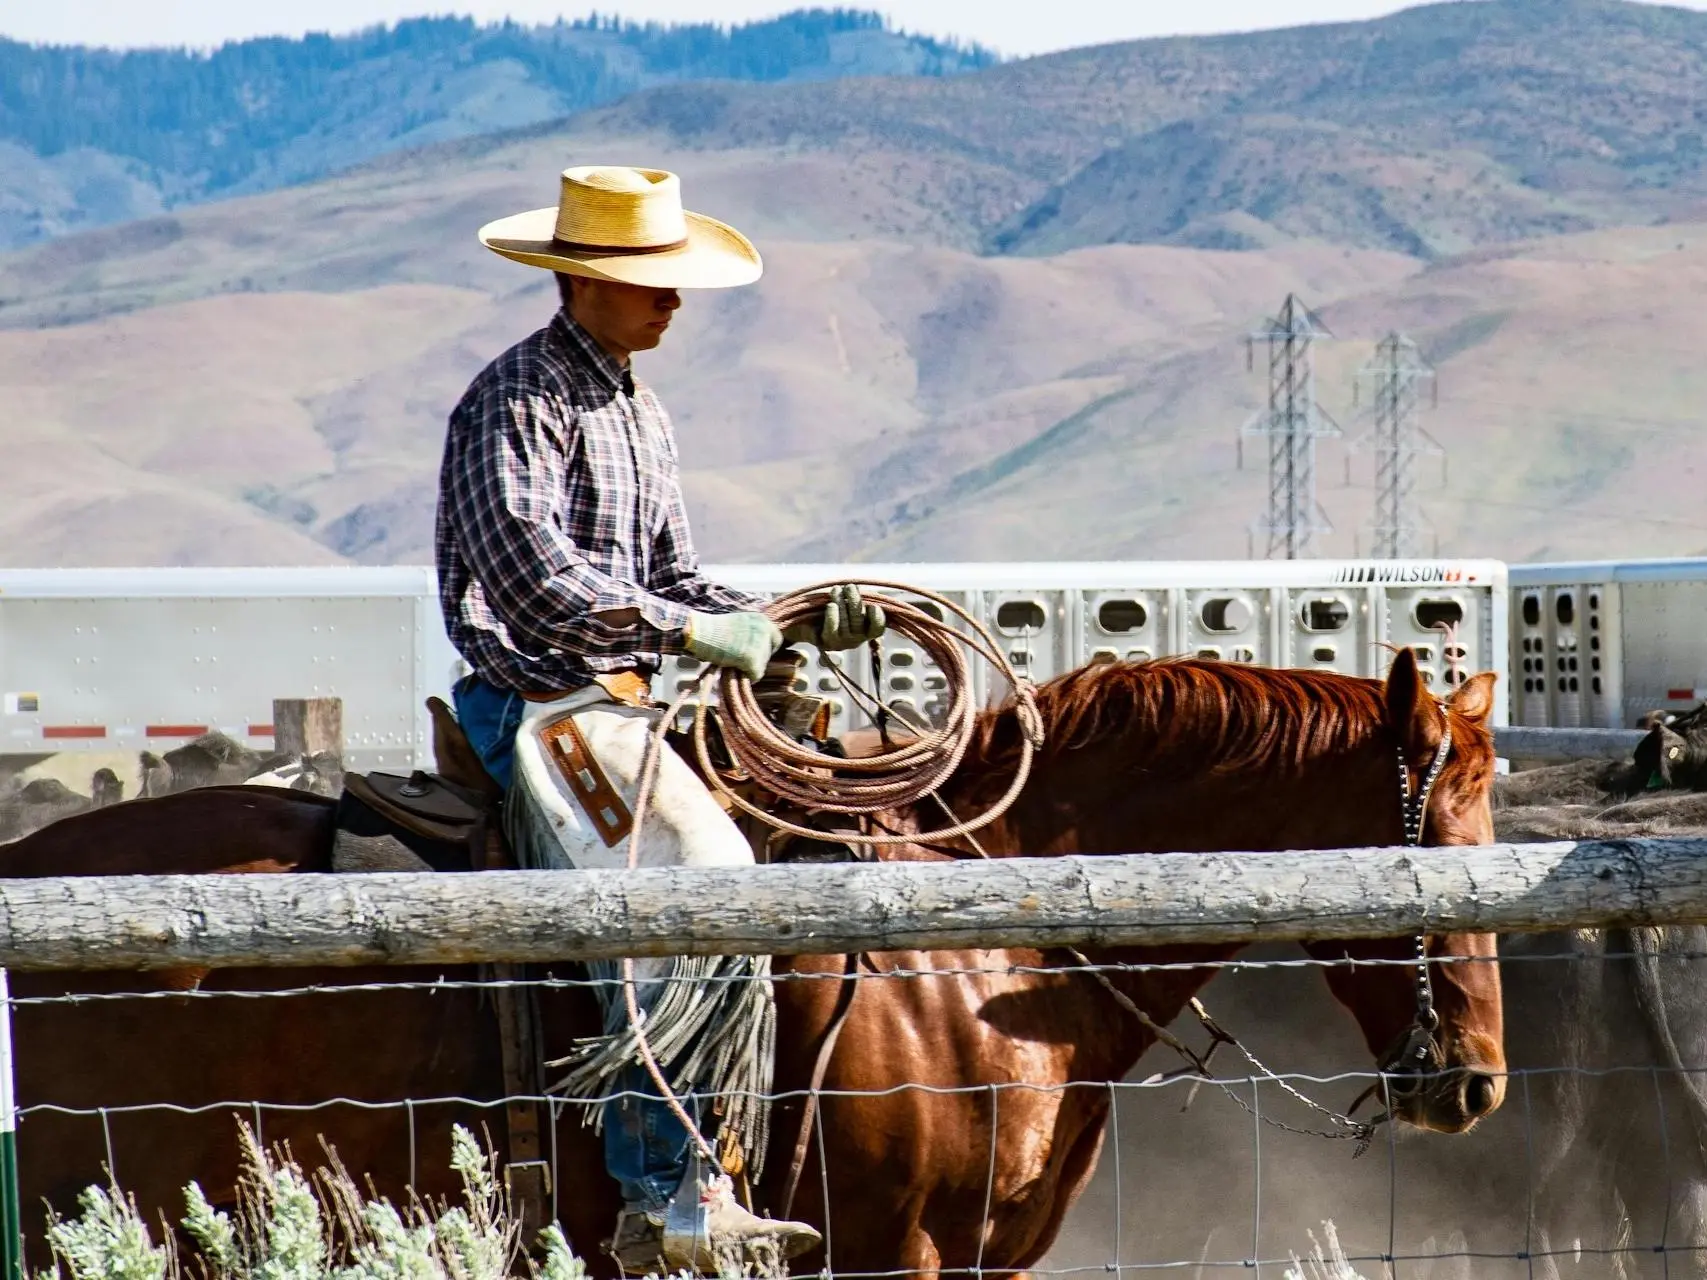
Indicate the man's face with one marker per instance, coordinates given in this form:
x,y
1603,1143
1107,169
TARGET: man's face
x,y
623,317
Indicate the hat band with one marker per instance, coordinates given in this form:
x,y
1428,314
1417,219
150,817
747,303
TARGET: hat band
x,y
615,251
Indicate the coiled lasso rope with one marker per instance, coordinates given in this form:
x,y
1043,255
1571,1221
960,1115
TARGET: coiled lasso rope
x,y
899,775
903,773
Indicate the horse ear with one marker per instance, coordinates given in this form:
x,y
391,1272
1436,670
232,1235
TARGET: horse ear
x,y
1411,708
1474,699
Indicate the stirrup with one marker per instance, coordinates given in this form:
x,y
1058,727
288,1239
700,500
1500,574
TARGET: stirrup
x,y
637,1244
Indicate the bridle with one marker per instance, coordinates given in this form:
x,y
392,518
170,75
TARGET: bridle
x,y
1416,1056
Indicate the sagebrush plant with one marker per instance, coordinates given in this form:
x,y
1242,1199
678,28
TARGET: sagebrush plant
x,y
288,1225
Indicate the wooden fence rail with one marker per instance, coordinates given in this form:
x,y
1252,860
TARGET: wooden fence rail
x,y
1128,900
1525,742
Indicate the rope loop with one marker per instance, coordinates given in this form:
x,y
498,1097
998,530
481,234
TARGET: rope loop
x,y
904,772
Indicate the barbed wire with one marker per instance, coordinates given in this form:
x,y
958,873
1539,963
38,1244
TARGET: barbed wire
x,y
1252,1091
558,982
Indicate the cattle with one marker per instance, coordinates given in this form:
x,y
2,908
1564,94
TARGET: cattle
x,y
39,795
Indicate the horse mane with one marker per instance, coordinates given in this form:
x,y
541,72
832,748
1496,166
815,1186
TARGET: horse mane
x,y
1205,716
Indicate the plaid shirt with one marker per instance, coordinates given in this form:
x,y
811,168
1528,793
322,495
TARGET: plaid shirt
x,y
560,498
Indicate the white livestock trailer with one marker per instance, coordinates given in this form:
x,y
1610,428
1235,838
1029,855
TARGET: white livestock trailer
x,y
119,660
1598,643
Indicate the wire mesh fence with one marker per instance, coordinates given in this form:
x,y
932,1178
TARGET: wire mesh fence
x,y
1594,1165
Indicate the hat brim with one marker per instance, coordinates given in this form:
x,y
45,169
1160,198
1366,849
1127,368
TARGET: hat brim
x,y
716,256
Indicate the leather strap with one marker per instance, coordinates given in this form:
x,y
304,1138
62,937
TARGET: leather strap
x,y
527,1174
604,807
632,687
820,1068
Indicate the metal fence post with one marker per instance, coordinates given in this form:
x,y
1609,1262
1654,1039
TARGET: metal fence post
x,y
11,1219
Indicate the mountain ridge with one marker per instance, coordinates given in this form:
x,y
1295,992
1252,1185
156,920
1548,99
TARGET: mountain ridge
x,y
258,114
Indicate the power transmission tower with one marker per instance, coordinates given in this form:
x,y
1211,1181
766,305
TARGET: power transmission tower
x,y
1293,422
1397,374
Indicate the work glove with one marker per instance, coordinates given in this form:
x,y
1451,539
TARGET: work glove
x,y
744,641
848,622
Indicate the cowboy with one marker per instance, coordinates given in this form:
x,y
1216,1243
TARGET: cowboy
x,y
566,572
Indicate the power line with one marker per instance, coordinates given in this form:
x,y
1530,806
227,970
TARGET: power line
x,y
1397,373
1293,422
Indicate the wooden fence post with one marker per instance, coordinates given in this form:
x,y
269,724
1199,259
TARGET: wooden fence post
x,y
11,1216
309,727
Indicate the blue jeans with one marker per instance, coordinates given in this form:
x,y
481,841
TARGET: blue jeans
x,y
646,1147
490,716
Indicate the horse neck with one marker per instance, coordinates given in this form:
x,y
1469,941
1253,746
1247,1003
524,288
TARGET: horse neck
x,y
1119,1038
1135,791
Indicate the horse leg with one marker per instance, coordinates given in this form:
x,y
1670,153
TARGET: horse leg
x,y
1675,1216
1688,1234
920,1258
1076,1171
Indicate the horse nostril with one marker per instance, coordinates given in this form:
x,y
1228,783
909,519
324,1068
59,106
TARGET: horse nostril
x,y
1480,1094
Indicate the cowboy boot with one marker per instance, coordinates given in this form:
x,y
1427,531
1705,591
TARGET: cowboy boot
x,y
719,1234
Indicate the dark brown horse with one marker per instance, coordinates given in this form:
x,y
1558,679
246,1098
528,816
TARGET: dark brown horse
x,y
1165,756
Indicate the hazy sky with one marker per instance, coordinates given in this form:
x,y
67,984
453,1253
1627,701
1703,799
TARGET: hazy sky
x,y
1012,26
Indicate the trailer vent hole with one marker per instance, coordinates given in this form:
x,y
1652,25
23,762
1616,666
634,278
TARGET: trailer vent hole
x,y
1118,617
1432,614
1566,608
901,658
1017,616
1101,657
1531,611
1326,615
1138,655
1225,614
1324,653
928,606
1210,654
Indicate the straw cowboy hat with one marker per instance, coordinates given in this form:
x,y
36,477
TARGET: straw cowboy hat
x,y
627,225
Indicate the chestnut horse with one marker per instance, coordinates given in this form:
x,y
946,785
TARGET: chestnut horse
x,y
976,1169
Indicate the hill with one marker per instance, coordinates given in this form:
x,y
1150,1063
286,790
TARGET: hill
x,y
93,136
873,400
266,378
1434,130
1431,132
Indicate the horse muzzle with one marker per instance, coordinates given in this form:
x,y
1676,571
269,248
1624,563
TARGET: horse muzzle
x,y
1423,1088
1449,1100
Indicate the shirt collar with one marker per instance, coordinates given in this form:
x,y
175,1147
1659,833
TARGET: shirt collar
x,y
583,348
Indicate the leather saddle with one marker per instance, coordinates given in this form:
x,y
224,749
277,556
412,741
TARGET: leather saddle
x,y
446,820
